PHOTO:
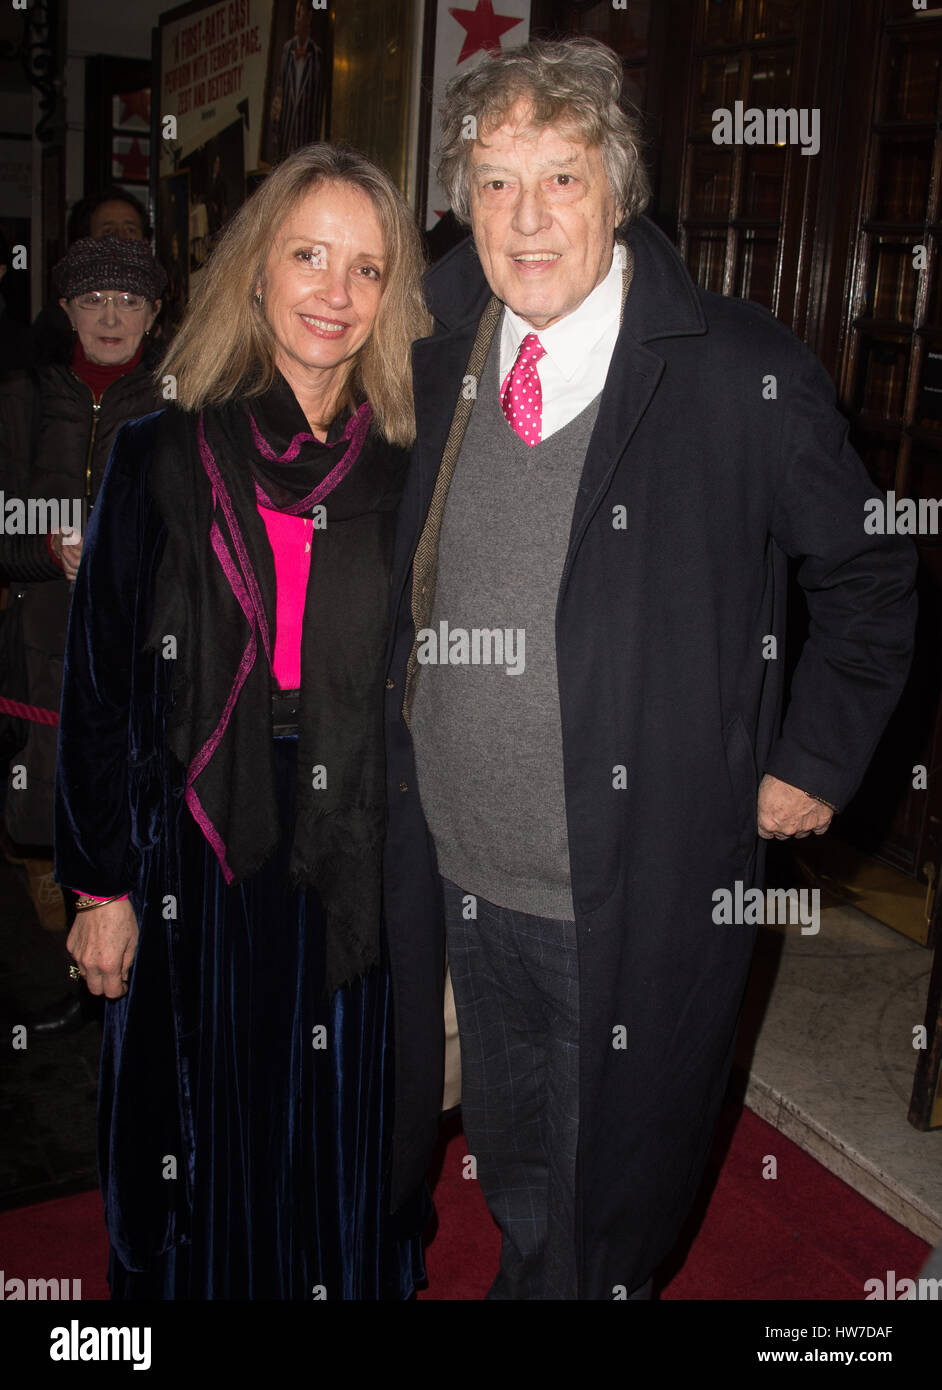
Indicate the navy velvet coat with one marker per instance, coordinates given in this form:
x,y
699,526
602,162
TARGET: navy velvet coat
x,y
120,812
119,795
661,634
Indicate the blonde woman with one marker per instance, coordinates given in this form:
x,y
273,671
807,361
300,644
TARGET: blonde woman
x,y
221,789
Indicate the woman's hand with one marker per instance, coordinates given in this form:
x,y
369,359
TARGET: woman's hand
x,y
68,552
102,943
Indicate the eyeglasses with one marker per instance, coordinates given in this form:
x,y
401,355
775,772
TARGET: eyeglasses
x,y
127,303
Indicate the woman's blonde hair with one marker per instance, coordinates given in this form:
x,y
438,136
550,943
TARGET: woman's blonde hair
x,y
225,346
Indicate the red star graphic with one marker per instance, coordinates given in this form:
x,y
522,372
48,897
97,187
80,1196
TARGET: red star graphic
x,y
483,28
135,164
134,104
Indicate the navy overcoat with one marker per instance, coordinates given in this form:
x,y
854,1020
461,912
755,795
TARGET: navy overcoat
x,y
718,436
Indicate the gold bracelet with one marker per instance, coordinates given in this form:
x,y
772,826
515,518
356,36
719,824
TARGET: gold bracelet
x,y
86,904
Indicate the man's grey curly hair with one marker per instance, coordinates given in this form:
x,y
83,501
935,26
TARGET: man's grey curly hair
x,y
575,85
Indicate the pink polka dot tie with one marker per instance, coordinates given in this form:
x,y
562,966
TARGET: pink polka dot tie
x,y
521,397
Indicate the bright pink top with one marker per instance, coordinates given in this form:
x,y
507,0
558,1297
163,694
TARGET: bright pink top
x,y
290,539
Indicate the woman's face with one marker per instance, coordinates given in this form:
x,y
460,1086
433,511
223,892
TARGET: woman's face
x,y
323,282
109,333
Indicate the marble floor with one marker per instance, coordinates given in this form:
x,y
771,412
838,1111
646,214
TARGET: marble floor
x,y
827,1048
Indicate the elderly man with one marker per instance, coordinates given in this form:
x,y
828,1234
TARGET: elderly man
x,y
585,684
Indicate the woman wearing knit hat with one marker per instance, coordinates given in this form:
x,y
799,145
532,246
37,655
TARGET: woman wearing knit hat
x,y
110,327
222,775
57,425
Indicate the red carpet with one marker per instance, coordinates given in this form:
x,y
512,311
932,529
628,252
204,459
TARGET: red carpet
x,y
803,1235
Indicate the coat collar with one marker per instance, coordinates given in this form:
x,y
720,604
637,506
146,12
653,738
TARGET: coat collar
x,y
664,301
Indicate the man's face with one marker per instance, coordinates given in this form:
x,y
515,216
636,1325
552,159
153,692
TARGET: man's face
x,y
116,218
543,218
302,20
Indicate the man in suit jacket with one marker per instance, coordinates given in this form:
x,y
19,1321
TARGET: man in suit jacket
x,y
586,744
300,98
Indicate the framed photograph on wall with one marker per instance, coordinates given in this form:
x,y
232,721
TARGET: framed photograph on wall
x,y
297,86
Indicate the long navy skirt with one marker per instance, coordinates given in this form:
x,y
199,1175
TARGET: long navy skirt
x,y
291,1101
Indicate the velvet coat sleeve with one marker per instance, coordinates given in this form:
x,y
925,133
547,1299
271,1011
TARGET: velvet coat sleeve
x,y
860,594
92,814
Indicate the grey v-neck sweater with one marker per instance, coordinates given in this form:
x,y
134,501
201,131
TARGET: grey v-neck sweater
x,y
487,736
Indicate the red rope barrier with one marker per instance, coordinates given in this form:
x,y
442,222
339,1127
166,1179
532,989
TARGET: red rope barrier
x,y
31,712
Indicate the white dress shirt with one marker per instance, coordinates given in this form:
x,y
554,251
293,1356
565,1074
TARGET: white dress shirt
x,y
578,349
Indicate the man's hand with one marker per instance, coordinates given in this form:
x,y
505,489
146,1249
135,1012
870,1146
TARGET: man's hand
x,y
102,943
68,551
785,810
